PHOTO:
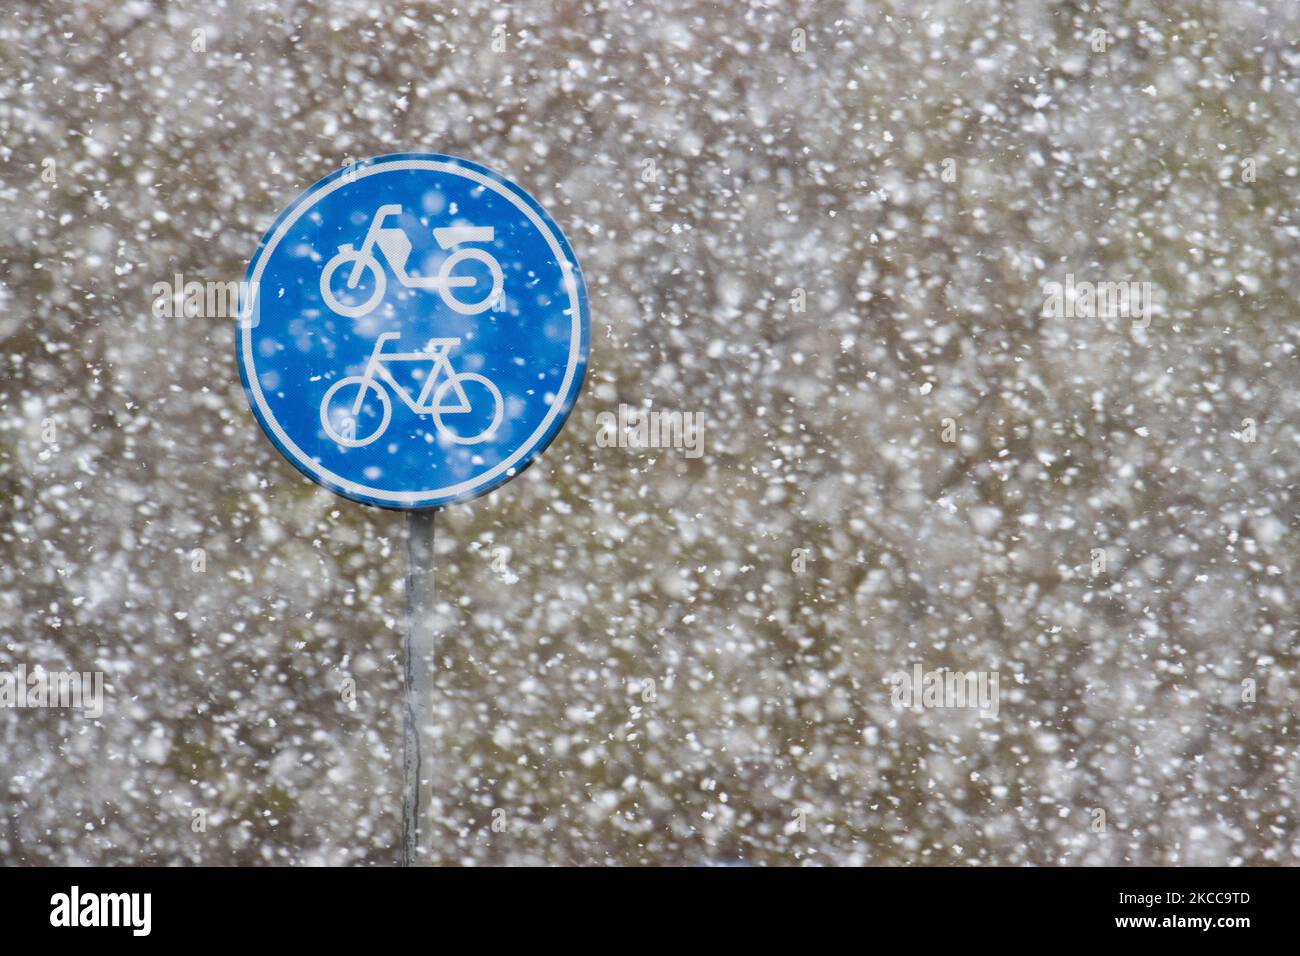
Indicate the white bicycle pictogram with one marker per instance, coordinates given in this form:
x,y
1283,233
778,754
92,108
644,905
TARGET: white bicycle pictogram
x,y
340,411
395,245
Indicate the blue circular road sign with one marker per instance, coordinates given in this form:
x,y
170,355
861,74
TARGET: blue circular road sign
x,y
413,331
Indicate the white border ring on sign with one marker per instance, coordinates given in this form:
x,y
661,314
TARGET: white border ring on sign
x,y
460,489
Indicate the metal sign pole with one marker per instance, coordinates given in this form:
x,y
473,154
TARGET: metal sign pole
x,y
417,682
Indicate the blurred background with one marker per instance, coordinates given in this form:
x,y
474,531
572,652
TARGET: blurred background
x,y
826,227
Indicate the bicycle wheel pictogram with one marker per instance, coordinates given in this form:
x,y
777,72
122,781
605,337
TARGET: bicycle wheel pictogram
x,y
345,416
469,405
358,298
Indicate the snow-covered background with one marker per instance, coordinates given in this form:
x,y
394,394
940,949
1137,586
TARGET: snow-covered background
x,y
707,162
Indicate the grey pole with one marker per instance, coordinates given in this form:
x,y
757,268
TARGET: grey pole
x,y
417,683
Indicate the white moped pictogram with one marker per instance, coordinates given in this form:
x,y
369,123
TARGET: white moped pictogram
x,y
395,246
